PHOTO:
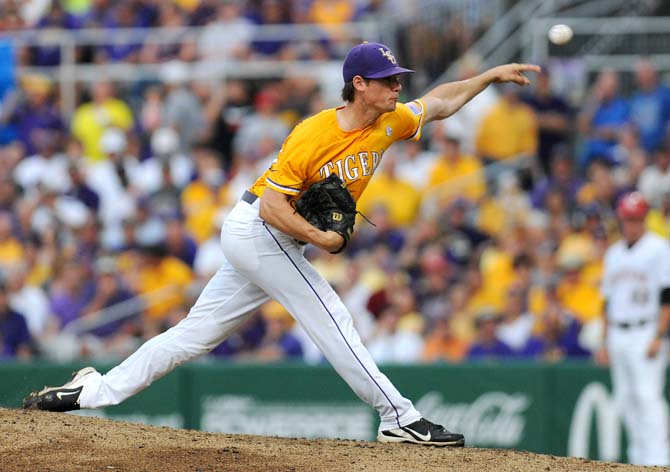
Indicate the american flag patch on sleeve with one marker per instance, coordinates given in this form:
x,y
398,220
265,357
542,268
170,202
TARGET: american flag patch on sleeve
x,y
415,108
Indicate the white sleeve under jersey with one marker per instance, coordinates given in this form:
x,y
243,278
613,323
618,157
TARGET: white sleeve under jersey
x,y
633,278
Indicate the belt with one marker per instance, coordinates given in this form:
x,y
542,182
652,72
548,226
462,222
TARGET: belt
x,y
630,324
249,197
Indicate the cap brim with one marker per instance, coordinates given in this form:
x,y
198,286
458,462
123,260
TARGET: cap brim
x,y
389,72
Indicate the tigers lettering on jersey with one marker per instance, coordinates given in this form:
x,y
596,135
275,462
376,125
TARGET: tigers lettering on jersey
x,y
353,166
318,147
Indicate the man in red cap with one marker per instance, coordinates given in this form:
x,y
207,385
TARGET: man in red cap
x,y
636,288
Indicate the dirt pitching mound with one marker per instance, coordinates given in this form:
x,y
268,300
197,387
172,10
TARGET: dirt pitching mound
x,y
43,441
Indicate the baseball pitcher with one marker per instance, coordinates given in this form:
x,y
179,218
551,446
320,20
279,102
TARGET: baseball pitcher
x,y
636,287
263,241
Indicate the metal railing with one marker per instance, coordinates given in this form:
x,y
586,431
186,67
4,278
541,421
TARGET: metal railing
x,y
69,73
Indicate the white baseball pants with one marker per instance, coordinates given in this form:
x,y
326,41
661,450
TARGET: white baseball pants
x,y
262,263
638,384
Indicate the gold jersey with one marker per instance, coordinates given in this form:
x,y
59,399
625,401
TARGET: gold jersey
x,y
317,146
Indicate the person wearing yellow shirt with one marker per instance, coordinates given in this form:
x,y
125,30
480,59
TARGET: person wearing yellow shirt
x,y
162,280
658,219
11,251
398,196
455,174
508,130
577,295
91,119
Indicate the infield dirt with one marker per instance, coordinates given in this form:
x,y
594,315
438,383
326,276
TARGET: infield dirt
x,y
41,441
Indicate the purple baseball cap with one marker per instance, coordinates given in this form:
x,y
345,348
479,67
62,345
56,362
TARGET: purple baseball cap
x,y
371,61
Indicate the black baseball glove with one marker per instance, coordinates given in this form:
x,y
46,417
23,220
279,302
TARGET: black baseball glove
x,y
328,205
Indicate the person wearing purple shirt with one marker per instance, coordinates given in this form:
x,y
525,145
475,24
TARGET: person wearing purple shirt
x,y
36,116
71,293
553,114
562,177
15,340
561,333
488,346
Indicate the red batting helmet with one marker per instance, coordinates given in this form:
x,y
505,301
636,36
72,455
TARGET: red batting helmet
x,y
632,206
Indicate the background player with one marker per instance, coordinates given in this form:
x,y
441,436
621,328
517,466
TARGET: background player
x,y
636,287
260,239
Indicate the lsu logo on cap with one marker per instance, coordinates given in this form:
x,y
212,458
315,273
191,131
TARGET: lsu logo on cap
x,y
388,55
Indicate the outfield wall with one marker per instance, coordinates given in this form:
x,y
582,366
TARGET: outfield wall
x,y
562,409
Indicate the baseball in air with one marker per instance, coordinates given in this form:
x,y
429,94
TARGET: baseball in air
x,y
560,34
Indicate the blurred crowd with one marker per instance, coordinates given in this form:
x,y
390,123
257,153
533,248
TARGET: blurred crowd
x,y
488,234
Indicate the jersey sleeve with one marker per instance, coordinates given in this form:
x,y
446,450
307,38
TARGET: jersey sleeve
x,y
409,118
287,173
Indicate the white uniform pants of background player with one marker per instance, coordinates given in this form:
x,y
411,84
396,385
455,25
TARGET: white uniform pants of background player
x,y
263,263
638,384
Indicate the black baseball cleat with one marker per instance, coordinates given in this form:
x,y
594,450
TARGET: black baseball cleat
x,y
422,432
64,398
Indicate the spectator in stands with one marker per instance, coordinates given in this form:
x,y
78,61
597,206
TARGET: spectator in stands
x,y
432,283
658,218
227,35
650,106
561,177
9,193
91,119
517,325
487,344
442,344
278,343
70,292
110,178
602,118
178,242
384,232
264,123
122,15
561,332
162,280
454,174
30,300
35,114
655,178
182,110
467,121
463,241
397,339
176,43
80,190
415,164
509,129
576,294
601,187
47,163
110,290
272,12
388,189
11,250
15,341
553,119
